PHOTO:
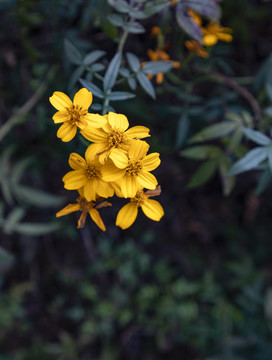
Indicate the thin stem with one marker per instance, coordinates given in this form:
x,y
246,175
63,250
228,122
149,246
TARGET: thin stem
x,y
122,41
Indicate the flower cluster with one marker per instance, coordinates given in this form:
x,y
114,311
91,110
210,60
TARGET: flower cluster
x,y
116,162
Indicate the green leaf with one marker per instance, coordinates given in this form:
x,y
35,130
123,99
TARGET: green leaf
x,y
252,159
120,95
207,8
134,62
268,111
203,174
228,182
152,8
132,83
202,152
97,67
35,229
120,5
75,76
155,67
264,181
214,131
6,259
116,19
182,130
93,56
146,84
13,218
72,53
112,71
270,159
124,72
256,136
134,27
37,198
93,88
186,22
19,169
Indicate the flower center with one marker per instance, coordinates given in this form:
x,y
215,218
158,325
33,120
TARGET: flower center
x,y
115,138
139,198
91,172
76,115
85,205
134,168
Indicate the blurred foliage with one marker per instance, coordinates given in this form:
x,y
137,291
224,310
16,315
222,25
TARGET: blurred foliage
x,y
198,284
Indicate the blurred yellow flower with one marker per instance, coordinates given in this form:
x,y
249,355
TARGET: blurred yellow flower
x,y
73,114
86,207
113,135
151,208
160,55
155,31
196,18
131,172
214,32
195,47
87,175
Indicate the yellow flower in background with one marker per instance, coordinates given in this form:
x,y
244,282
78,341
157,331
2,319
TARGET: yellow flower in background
x,y
87,175
74,114
86,207
132,171
151,208
113,135
214,32
155,31
196,18
195,47
160,55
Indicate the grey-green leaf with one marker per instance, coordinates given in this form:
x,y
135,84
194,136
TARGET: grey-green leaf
x,y
93,88
93,56
37,198
186,22
134,62
207,8
112,71
214,131
250,161
134,27
72,52
35,229
120,95
202,152
182,130
146,84
155,67
256,136
203,174
115,19
14,217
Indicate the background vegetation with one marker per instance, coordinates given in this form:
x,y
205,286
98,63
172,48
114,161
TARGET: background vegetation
x,y
197,285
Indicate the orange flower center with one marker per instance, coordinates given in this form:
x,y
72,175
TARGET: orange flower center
x,y
134,168
91,172
115,138
139,198
76,115
85,205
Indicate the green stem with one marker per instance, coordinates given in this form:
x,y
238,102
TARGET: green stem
x,y
122,41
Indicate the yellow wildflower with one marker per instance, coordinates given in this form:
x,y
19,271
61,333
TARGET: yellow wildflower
x,y
155,31
132,171
195,17
113,135
195,47
151,208
87,174
160,55
86,207
214,32
74,114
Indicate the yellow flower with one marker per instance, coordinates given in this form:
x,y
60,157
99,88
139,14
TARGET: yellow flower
x,y
151,208
195,17
155,31
214,32
195,47
113,135
74,114
132,171
160,55
85,207
87,175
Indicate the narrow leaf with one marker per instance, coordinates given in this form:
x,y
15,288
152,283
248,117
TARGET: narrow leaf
x,y
155,67
115,19
146,84
93,88
37,198
72,53
120,95
207,8
182,130
35,229
134,62
186,22
134,27
256,136
203,174
93,56
214,132
112,72
252,159
264,181
202,152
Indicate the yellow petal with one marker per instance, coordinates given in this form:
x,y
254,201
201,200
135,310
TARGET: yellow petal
x,y
94,214
96,120
93,134
138,149
74,180
137,132
127,215
153,209
76,161
90,189
68,210
110,172
104,157
119,158
92,151
118,121
147,180
60,101
117,189
129,186
105,189
61,116
67,132
159,78
210,40
151,161
224,37
83,98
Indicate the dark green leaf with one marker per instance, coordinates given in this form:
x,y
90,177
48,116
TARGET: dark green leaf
x,y
120,5
146,84
155,67
227,181
6,259
214,132
252,159
134,62
257,137
182,130
264,181
112,72
203,174
75,76
120,95
72,53
37,198
97,67
134,27
93,88
202,152
93,57
13,218
35,229
116,19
